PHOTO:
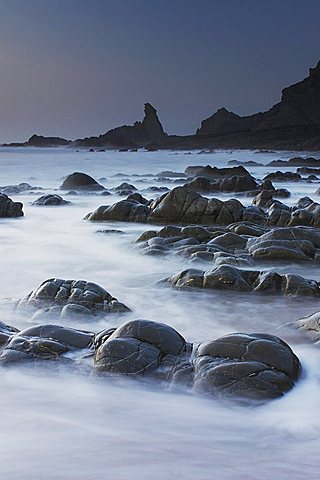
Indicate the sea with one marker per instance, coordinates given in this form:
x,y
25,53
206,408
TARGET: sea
x,y
72,426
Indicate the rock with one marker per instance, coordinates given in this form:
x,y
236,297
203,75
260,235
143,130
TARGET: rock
x,y
235,183
139,347
123,211
71,298
283,177
50,199
15,189
215,172
6,332
43,343
247,228
263,199
80,181
9,208
310,326
308,171
124,187
289,244
239,366
141,134
229,278
249,163
296,162
170,174
291,123
245,367
230,241
183,206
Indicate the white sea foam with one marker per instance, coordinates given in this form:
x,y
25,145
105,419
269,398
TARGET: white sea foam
x,y
69,427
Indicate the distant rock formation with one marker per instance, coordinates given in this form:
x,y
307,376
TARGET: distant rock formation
x,y
148,133
40,141
293,122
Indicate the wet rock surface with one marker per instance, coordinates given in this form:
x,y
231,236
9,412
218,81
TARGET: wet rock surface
x,y
245,366
80,181
241,367
43,343
9,208
230,278
140,347
48,200
184,206
238,244
16,189
56,298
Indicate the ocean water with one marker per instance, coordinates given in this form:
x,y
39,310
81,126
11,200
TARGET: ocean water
x,y
67,426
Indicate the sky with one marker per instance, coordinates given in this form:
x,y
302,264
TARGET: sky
x,y
76,68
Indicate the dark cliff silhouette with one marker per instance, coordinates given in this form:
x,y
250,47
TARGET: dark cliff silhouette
x,y
141,134
293,123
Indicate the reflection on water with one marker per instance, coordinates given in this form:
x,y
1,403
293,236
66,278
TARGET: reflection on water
x,y
69,427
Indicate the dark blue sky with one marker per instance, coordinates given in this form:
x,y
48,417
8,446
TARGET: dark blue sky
x,y
80,67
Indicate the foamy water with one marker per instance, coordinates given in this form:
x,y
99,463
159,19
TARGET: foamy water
x,y
70,427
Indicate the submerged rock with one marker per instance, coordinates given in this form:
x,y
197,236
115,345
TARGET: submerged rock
x,y
43,343
15,189
9,208
71,298
50,199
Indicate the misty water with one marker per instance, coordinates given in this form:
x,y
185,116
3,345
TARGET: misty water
x,y
73,426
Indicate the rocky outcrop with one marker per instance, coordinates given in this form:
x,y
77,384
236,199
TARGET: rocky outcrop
x,y
242,367
184,206
80,181
229,278
50,200
215,173
232,245
293,122
74,299
9,208
41,141
236,183
148,133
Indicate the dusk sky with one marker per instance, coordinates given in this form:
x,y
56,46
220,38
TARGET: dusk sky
x,y
75,68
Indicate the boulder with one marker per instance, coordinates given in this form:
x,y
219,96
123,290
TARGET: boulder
x,y
43,343
283,177
139,348
245,367
80,181
310,326
9,208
